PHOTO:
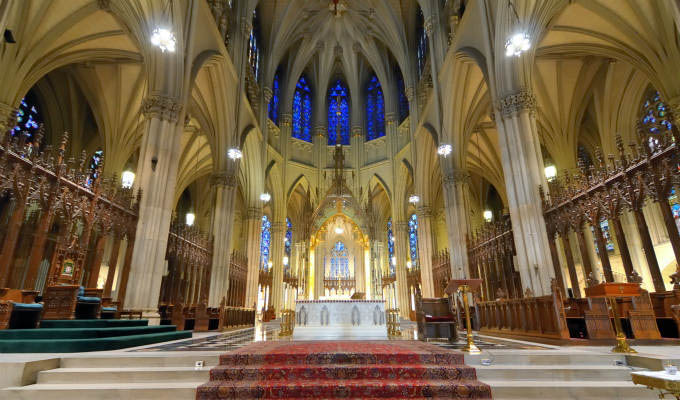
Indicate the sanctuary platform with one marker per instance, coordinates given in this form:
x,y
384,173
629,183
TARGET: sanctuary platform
x,y
336,319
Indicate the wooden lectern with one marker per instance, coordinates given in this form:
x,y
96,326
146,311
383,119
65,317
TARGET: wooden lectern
x,y
610,291
465,286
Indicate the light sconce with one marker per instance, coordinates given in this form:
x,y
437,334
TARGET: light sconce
x,y
517,44
394,260
550,172
265,197
163,39
285,260
413,199
488,215
127,179
409,264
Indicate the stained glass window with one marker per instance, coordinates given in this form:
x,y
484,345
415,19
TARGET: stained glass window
x,y
273,110
28,117
302,111
95,162
287,243
413,239
265,242
339,262
655,118
338,102
375,110
403,100
254,46
609,243
421,44
390,247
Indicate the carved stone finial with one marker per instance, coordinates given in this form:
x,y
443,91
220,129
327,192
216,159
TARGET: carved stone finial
x,y
267,94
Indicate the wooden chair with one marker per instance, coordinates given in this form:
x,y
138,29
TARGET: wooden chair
x,y
434,318
18,309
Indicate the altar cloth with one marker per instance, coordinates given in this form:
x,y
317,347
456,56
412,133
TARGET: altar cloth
x,y
340,319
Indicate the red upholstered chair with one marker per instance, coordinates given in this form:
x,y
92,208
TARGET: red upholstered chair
x,y
434,318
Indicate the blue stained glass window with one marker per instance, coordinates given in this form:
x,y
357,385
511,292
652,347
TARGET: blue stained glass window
x,y
254,46
390,247
338,100
339,262
287,243
302,111
28,117
375,110
413,239
403,100
95,162
655,116
273,110
609,243
265,242
421,44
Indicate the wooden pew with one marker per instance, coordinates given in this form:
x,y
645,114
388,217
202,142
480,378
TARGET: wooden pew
x,y
18,309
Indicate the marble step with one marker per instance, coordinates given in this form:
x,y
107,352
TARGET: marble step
x,y
104,391
544,357
568,373
559,390
143,360
127,375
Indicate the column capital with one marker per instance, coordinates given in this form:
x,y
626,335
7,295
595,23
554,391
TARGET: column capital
x,y
391,118
254,213
458,175
285,119
424,212
321,130
277,227
401,226
165,108
410,93
224,178
357,130
246,26
430,26
514,103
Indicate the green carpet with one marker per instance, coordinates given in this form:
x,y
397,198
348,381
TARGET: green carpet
x,y
92,323
78,345
69,336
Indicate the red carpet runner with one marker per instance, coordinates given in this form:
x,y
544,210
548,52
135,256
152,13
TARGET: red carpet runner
x,y
342,369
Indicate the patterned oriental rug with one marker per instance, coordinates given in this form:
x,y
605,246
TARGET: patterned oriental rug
x,y
342,370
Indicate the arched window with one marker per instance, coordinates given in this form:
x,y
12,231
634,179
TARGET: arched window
x,y
95,163
28,117
390,248
339,262
413,239
421,44
403,100
265,242
288,242
375,110
273,109
302,111
338,113
254,46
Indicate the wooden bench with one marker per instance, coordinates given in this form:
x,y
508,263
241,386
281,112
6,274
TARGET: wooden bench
x,y
434,318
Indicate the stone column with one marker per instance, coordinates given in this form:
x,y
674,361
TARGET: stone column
x,y
253,232
278,230
157,177
425,250
400,253
224,185
455,182
6,112
523,171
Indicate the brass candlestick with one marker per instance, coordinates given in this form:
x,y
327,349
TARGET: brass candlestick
x,y
470,347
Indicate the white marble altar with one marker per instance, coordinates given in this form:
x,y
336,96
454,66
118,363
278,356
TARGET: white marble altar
x,y
339,319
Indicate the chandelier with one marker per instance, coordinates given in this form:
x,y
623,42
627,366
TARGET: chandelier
x,y
163,39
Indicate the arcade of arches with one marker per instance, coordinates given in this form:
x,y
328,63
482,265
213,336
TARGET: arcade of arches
x,y
279,150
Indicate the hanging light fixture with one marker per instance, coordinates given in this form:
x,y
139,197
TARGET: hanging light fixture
x,y
519,42
488,215
413,199
164,39
190,218
265,197
234,154
127,179
285,260
444,149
